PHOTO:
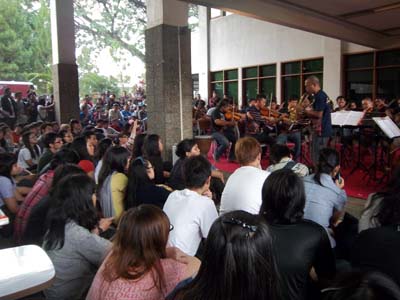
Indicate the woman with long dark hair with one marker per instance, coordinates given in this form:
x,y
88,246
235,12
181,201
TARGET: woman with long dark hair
x,y
85,150
137,149
141,189
152,149
28,156
300,245
138,266
103,146
325,196
72,240
238,262
112,182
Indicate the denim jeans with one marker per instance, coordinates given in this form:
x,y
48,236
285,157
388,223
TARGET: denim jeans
x,y
223,140
294,137
317,143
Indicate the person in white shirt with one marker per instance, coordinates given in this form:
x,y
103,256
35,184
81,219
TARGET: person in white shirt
x,y
191,211
243,188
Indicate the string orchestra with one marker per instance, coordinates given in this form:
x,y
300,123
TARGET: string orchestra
x,y
306,123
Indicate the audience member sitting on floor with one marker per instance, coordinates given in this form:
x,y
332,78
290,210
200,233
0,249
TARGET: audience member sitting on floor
x,y
141,188
302,246
185,149
9,196
137,149
238,262
380,204
101,149
281,158
28,156
52,143
363,286
377,248
113,182
139,265
325,196
152,149
192,210
66,136
85,151
243,188
39,190
35,223
72,240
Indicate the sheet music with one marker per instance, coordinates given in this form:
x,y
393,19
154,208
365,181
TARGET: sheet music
x,y
388,127
349,118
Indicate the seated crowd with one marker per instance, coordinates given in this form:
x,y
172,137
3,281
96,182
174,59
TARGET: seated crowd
x,y
119,222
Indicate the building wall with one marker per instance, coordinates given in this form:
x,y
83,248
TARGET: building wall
x,y
237,41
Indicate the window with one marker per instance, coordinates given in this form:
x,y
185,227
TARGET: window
x,y
296,72
225,83
372,74
259,80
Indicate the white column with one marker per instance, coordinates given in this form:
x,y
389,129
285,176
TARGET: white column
x,y
166,12
278,83
332,67
204,51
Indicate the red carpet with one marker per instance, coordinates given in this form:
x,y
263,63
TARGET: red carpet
x,y
357,185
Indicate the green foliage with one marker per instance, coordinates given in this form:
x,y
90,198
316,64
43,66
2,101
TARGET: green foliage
x,y
93,83
25,42
118,24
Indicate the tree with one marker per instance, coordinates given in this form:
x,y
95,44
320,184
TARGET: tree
x,y
14,31
93,83
25,42
118,24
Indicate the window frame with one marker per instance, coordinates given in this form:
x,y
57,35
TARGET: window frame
x,y
374,68
303,75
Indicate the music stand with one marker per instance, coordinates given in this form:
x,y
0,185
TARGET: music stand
x,y
391,131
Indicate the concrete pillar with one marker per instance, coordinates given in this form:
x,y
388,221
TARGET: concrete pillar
x,y
168,72
64,68
204,51
332,67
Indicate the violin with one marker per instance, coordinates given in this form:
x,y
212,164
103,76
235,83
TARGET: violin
x,y
266,112
229,115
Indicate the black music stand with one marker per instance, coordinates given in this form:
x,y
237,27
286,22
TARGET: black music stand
x,y
350,120
391,131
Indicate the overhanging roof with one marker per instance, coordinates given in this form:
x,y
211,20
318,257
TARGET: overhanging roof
x,y
373,23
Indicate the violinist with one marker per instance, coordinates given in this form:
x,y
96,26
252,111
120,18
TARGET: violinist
x,y
342,104
289,130
367,105
320,115
259,126
380,105
223,131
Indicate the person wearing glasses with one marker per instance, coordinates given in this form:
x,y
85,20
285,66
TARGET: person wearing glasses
x,y
238,262
139,265
53,143
192,210
141,189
